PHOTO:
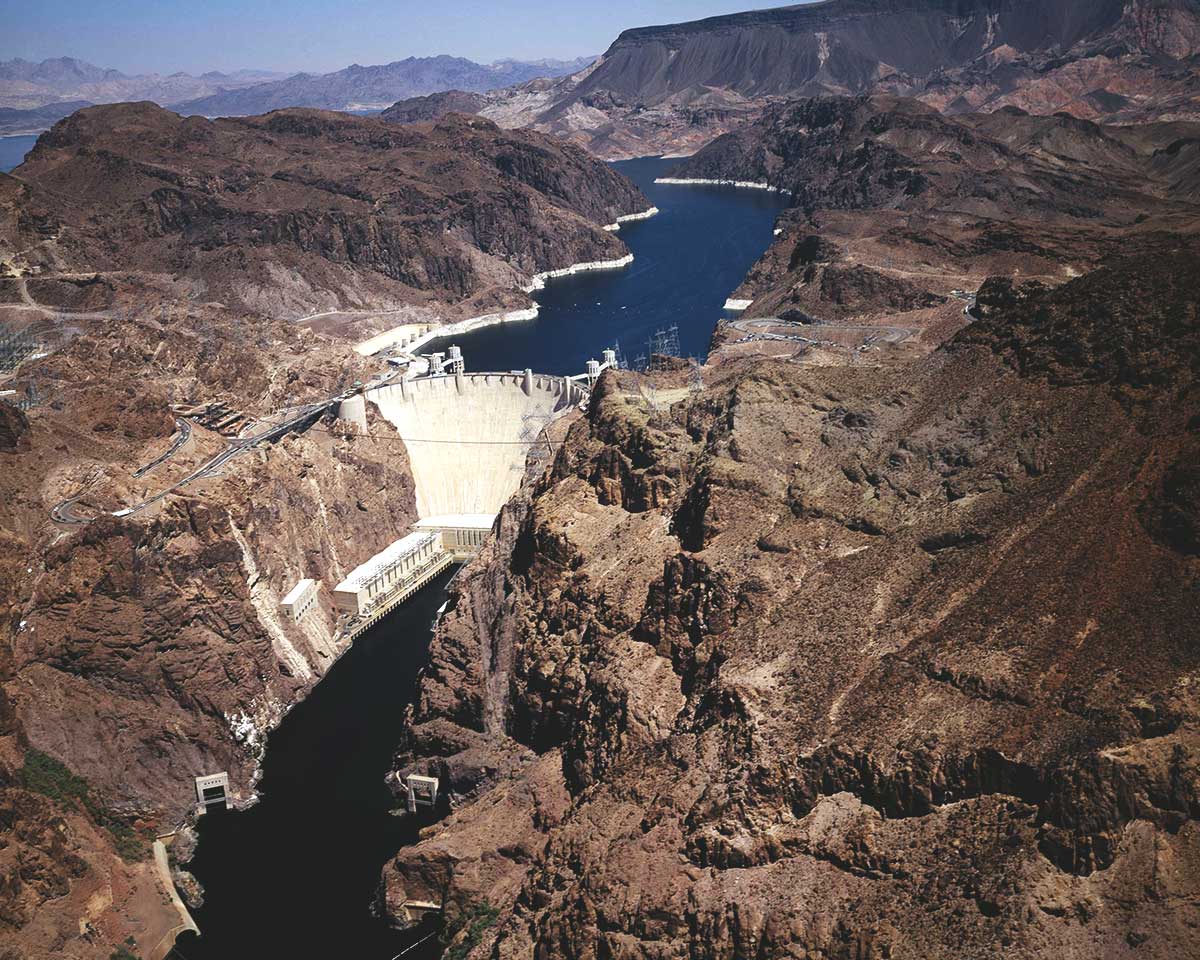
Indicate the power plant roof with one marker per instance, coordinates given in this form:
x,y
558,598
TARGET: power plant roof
x,y
463,521
298,590
364,573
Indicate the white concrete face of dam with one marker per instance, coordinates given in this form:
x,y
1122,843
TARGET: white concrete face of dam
x,y
468,436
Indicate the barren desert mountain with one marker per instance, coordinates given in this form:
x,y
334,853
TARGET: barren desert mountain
x,y
669,89
300,211
896,205
845,661
870,637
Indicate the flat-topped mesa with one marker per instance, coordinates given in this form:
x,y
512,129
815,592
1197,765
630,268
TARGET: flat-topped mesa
x,y
670,89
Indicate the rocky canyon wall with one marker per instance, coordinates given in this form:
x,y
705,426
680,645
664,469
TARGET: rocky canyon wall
x,y
843,661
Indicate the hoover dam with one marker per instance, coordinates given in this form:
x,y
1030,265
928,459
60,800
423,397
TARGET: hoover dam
x,y
468,435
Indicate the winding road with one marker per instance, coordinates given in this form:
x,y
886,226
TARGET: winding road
x,y
64,512
184,434
28,303
765,328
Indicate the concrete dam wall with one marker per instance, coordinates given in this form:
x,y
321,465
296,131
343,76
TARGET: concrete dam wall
x,y
468,435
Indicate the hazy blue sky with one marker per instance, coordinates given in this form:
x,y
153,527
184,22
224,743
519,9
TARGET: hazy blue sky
x,y
139,36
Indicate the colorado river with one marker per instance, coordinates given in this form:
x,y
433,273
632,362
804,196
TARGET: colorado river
x,y
293,877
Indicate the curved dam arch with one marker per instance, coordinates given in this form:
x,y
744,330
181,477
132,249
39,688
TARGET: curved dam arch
x,y
468,434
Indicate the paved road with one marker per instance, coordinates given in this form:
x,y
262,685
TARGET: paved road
x,y
64,512
764,328
28,303
183,429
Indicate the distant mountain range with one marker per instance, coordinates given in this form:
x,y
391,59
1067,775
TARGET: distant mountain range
x,y
25,85
377,87
33,96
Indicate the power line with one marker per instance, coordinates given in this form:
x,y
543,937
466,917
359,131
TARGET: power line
x,y
487,443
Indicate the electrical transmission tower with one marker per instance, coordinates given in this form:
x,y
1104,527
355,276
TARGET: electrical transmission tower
x,y
621,364
15,346
664,343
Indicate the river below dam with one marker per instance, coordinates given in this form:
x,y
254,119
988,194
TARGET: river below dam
x,y
294,876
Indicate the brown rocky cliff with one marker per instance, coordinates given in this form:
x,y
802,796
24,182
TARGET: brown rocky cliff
x,y
14,425
837,662
142,651
302,210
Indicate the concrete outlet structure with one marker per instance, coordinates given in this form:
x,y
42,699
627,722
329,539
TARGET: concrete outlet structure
x,y
422,791
212,789
300,599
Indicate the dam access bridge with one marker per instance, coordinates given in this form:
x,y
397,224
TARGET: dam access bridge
x,y
467,436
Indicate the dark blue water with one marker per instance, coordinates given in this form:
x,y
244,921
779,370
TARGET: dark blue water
x,y
687,261
13,150
294,875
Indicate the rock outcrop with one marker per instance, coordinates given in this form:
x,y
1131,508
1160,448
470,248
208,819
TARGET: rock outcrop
x,y
844,662
433,107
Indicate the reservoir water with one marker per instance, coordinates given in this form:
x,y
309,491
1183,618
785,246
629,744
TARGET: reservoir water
x,y
13,150
293,877
687,260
